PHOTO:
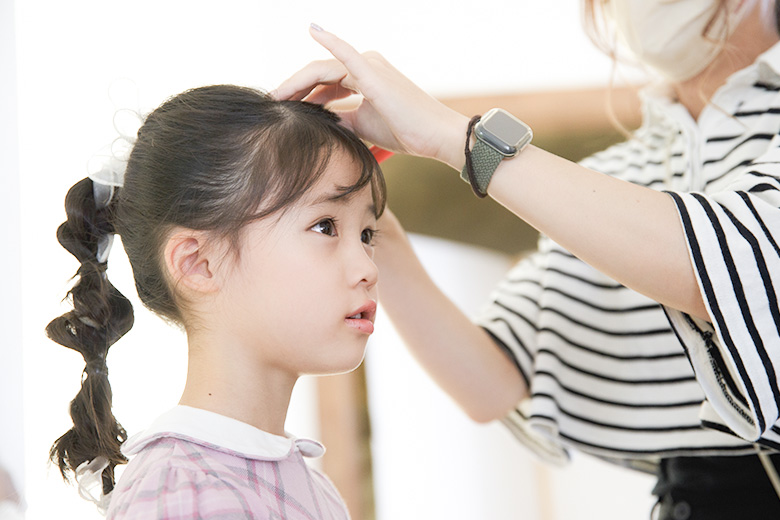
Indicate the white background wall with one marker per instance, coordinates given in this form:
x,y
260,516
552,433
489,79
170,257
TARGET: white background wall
x,y
11,415
67,54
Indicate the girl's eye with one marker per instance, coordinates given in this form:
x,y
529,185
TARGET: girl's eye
x,y
367,236
326,227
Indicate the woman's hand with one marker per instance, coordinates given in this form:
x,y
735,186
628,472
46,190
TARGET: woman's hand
x,y
394,113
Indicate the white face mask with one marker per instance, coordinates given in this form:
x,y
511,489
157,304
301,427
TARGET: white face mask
x,y
669,36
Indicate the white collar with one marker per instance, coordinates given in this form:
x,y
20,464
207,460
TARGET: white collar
x,y
222,433
769,65
766,70
660,108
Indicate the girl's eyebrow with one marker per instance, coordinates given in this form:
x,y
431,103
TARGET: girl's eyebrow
x,y
341,196
342,199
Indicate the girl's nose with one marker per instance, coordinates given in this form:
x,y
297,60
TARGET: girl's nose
x,y
363,270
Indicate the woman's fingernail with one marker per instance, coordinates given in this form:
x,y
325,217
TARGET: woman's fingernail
x,y
316,27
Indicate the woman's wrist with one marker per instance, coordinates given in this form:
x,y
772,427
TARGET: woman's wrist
x,y
453,140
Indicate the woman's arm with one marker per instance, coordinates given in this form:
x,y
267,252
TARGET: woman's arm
x,y
631,233
458,355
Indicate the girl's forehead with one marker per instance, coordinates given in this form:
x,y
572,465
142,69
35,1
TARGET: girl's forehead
x,y
342,168
341,173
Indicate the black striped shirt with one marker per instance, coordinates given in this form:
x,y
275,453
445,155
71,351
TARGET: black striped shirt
x,y
606,372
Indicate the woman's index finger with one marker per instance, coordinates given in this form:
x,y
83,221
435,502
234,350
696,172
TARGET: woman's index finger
x,y
303,82
355,62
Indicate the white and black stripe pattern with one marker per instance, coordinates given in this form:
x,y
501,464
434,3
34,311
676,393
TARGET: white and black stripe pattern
x,y
606,372
733,237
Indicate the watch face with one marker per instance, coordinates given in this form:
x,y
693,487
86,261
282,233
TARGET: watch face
x,y
503,131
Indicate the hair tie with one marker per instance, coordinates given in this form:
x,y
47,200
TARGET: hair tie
x,y
92,267
96,367
469,162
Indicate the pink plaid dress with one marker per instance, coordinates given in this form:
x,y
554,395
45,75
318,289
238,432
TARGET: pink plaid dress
x,y
196,464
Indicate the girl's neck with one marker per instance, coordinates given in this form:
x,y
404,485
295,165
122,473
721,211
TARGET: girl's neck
x,y
755,34
225,378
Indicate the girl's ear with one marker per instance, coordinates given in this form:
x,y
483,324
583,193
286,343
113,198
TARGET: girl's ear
x,y
188,261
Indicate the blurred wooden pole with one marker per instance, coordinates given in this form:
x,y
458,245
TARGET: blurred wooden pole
x,y
344,427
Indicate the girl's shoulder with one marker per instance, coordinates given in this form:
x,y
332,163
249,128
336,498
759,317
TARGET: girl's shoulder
x,y
187,478
204,465
183,479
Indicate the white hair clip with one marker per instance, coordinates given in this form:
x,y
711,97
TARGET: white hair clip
x,y
107,167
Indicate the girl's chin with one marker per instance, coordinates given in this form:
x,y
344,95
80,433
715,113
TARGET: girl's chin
x,y
330,368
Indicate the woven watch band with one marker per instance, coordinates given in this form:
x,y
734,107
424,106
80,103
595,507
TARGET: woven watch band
x,y
484,161
481,162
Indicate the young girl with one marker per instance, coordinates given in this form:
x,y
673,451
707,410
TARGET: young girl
x,y
250,223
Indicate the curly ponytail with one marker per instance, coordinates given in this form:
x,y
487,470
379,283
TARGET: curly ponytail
x,y
100,316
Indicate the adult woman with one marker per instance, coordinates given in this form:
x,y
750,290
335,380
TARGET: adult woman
x,y
595,365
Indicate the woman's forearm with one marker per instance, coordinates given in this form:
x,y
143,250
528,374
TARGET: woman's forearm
x,y
630,233
458,354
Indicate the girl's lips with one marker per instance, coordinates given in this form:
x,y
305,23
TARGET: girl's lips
x,y
363,318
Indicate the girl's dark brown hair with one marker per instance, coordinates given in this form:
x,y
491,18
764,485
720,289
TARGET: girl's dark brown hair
x,y
215,159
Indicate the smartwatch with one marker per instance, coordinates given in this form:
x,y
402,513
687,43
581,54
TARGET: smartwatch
x,y
499,135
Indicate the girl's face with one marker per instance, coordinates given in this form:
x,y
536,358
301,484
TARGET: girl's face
x,y
301,296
